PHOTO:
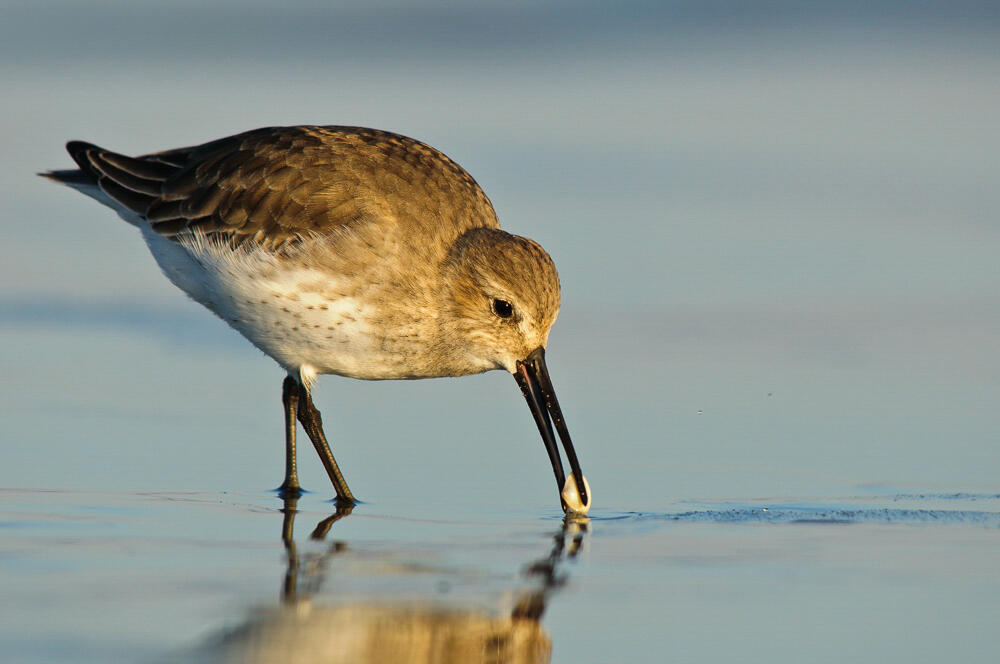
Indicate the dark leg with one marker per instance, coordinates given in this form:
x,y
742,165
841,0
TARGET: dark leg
x,y
313,424
290,399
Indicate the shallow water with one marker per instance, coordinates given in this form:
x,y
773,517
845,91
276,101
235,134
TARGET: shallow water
x,y
203,577
775,226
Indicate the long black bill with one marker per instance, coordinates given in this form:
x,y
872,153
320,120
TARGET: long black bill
x,y
533,378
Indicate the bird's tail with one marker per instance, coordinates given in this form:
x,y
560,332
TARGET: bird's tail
x,y
125,184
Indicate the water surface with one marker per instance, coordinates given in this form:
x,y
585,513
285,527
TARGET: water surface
x,y
196,576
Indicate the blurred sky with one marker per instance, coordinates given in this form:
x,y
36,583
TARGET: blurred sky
x,y
775,223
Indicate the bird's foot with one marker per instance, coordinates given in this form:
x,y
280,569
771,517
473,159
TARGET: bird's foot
x,y
289,490
343,503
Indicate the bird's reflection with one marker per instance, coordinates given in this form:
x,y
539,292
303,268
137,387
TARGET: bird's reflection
x,y
380,630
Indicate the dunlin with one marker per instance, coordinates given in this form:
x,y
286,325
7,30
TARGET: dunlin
x,y
348,251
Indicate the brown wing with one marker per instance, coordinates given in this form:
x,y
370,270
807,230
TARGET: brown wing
x,y
278,184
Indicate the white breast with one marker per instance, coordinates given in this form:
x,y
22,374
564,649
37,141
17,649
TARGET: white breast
x,y
276,304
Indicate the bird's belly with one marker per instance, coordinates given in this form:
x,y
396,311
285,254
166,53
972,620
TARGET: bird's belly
x,y
297,315
330,337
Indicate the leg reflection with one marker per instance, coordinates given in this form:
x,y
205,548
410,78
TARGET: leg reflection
x,y
290,586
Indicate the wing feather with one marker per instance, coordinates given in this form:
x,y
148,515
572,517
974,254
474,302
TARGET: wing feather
x,y
278,184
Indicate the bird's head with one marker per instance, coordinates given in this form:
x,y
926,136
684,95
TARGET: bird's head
x,y
502,297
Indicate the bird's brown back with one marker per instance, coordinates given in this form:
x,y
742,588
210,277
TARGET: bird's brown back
x,y
276,185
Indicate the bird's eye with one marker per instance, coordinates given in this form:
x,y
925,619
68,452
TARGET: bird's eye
x,y
502,308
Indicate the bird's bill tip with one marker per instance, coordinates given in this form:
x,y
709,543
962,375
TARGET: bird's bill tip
x,y
573,499
532,376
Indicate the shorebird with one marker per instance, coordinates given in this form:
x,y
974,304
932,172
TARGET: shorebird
x,y
348,251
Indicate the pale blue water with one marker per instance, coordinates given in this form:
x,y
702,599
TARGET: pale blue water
x,y
196,576
776,232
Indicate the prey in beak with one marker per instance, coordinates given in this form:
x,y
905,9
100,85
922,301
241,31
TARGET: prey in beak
x,y
532,377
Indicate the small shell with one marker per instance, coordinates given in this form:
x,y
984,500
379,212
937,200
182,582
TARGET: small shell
x,y
571,496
